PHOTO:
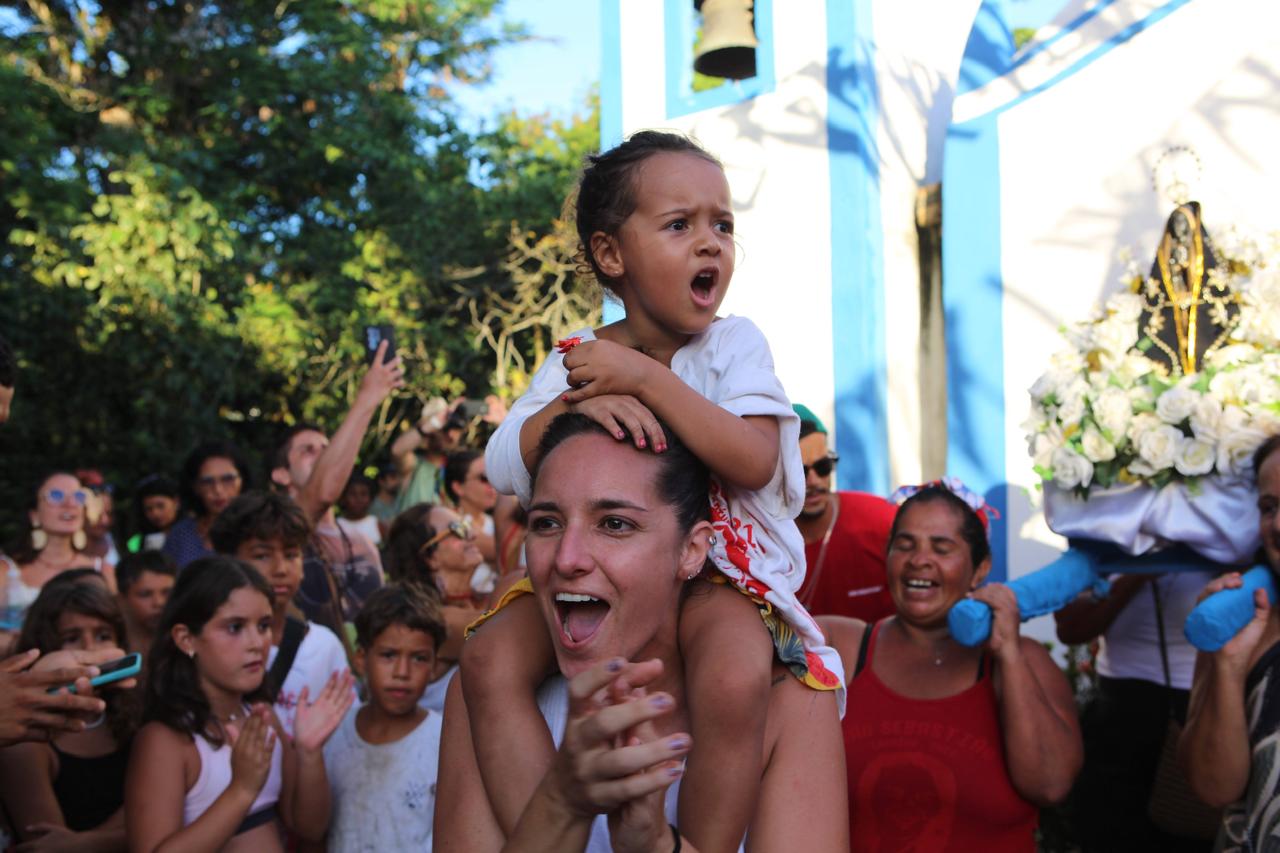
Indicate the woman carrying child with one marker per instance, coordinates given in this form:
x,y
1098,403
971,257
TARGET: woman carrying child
x,y
655,220
68,794
211,769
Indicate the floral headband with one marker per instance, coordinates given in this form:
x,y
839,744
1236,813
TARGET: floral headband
x,y
972,499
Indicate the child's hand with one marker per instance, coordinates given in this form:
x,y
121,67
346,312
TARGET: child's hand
x,y
603,367
621,414
251,748
314,722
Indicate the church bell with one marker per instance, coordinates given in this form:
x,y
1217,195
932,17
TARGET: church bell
x,y
728,47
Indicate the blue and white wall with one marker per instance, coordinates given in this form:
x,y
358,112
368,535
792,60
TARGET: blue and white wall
x,y
824,152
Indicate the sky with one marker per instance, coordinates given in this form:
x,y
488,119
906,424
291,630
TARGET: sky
x,y
553,72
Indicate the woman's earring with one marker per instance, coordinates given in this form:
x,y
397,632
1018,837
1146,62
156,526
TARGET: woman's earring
x,y
39,538
191,653
711,541
79,540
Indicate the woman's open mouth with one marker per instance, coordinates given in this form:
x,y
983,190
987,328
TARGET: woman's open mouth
x,y
580,617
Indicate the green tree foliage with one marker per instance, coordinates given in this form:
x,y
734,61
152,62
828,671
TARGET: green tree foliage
x,y
201,204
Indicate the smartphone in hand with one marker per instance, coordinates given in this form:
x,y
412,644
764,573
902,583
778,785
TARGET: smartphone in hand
x,y
111,671
375,335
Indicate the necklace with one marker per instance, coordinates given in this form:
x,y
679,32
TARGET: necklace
x,y
810,586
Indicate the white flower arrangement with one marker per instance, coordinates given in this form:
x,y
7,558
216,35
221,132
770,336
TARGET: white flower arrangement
x,y
1105,415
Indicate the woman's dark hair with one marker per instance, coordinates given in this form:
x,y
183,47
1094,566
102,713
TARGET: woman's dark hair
x,y
149,487
132,566
399,604
683,481
971,529
1271,445
173,693
607,190
260,515
455,470
21,550
69,592
195,461
402,552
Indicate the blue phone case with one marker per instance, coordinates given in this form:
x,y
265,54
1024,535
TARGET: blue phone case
x,y
128,671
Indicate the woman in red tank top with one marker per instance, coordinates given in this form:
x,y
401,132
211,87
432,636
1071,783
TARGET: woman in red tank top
x,y
948,747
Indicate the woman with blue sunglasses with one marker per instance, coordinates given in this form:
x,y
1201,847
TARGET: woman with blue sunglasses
x,y
52,542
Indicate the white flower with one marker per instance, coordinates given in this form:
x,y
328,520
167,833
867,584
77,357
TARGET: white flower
x,y
1044,444
1070,469
1131,368
1071,402
1096,448
1159,447
1114,337
1175,405
1229,355
1112,410
1125,306
1206,416
1195,457
1140,424
1235,451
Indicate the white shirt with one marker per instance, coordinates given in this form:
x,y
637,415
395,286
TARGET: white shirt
x,y
319,656
367,526
384,795
1130,647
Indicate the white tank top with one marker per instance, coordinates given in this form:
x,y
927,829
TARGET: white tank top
x,y
553,701
215,776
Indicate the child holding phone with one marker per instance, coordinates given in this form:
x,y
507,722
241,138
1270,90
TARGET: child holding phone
x,y
211,768
69,793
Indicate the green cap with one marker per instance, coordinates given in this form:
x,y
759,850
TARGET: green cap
x,y
806,414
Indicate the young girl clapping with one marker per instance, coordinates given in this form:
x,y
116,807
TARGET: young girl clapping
x,y
211,768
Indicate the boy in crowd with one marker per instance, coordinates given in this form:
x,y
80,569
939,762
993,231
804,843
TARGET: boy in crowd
x,y
383,758
355,503
269,531
144,581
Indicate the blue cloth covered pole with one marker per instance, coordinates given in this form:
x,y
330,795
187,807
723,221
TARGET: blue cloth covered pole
x,y
1222,615
1051,588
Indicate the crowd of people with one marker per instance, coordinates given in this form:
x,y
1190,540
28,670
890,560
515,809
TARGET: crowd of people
x,y
518,645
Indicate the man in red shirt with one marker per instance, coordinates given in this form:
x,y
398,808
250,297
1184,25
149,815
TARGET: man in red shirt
x,y
846,536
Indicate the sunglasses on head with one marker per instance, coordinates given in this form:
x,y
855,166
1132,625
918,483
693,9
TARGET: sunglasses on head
x,y
823,467
57,497
460,528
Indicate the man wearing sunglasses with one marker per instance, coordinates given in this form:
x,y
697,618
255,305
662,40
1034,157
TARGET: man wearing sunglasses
x,y
846,535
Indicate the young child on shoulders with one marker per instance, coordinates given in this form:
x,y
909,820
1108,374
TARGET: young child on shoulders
x,y
68,794
655,221
270,532
144,581
212,768
382,760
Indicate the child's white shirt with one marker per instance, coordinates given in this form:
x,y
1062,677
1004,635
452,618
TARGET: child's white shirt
x,y
758,545
320,654
384,795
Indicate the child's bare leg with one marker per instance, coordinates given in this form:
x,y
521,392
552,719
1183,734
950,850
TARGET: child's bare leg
x,y
503,664
728,662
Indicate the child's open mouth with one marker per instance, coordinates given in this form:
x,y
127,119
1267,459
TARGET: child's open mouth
x,y
580,616
703,287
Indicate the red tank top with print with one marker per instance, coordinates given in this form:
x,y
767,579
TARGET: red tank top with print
x,y
929,774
